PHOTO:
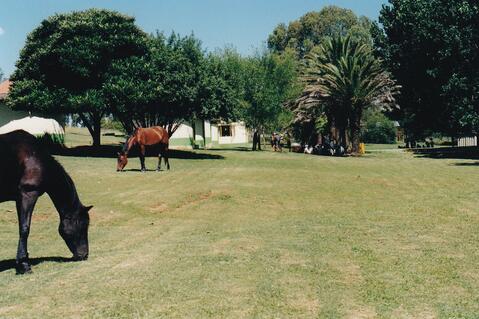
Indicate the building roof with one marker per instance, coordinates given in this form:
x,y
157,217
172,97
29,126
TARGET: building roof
x,y
4,88
34,125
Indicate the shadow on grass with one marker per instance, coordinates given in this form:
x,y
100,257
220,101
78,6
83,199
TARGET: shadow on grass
x,y
110,151
449,152
237,148
466,164
139,170
11,263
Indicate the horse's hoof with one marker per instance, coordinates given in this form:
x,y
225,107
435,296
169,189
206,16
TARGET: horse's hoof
x,y
23,268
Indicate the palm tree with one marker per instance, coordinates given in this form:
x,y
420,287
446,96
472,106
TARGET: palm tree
x,y
344,78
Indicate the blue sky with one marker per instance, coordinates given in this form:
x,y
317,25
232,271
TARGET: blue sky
x,y
244,24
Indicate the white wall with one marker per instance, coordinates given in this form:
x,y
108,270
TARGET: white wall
x,y
214,133
467,141
239,134
184,131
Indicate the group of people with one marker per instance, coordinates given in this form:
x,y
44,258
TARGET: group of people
x,y
324,145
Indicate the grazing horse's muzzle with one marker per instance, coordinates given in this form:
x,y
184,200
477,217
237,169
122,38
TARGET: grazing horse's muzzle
x,y
80,257
121,161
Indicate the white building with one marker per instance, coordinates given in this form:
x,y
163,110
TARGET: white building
x,y
193,135
467,141
7,115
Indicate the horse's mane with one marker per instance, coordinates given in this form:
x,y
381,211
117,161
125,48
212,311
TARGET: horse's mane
x,y
62,182
125,145
128,137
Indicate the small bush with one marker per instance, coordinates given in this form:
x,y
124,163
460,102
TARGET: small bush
x,y
378,129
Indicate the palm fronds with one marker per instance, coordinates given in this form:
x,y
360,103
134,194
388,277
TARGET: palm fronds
x,y
342,79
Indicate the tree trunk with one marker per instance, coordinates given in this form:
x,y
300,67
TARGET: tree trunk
x,y
96,130
204,134
255,140
172,127
97,137
342,138
93,124
259,141
355,135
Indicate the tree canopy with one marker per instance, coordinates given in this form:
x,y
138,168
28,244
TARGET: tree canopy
x,y
314,27
344,79
430,46
173,83
65,61
269,80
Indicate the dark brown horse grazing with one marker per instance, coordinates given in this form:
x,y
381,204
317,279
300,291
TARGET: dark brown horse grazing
x,y
155,135
27,171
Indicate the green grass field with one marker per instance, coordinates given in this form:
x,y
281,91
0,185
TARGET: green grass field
x,y
257,235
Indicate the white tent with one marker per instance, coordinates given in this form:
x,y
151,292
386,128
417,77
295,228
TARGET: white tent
x,y
37,126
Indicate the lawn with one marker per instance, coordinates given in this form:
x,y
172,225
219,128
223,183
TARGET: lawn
x,y
239,234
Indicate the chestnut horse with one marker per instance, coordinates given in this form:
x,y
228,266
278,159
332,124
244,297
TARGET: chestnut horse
x,y
27,171
155,135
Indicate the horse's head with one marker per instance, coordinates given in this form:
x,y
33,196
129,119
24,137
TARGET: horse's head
x,y
74,231
121,161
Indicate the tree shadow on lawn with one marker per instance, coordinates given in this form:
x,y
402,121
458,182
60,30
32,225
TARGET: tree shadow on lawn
x,y
110,151
139,170
449,153
466,164
8,264
237,148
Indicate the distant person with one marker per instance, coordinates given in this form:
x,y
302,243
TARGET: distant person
x,y
277,142
256,141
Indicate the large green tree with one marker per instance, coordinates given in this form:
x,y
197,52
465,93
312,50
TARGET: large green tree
x,y
314,27
66,60
269,80
173,83
344,79
431,47
163,83
220,89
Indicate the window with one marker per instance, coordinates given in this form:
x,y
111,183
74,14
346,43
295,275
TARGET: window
x,y
225,130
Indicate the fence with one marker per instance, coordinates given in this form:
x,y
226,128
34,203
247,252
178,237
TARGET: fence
x,y
467,141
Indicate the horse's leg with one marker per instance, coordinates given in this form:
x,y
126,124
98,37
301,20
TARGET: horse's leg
x,y
159,157
25,204
142,158
165,155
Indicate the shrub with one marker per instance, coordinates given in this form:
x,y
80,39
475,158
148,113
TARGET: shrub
x,y
378,129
